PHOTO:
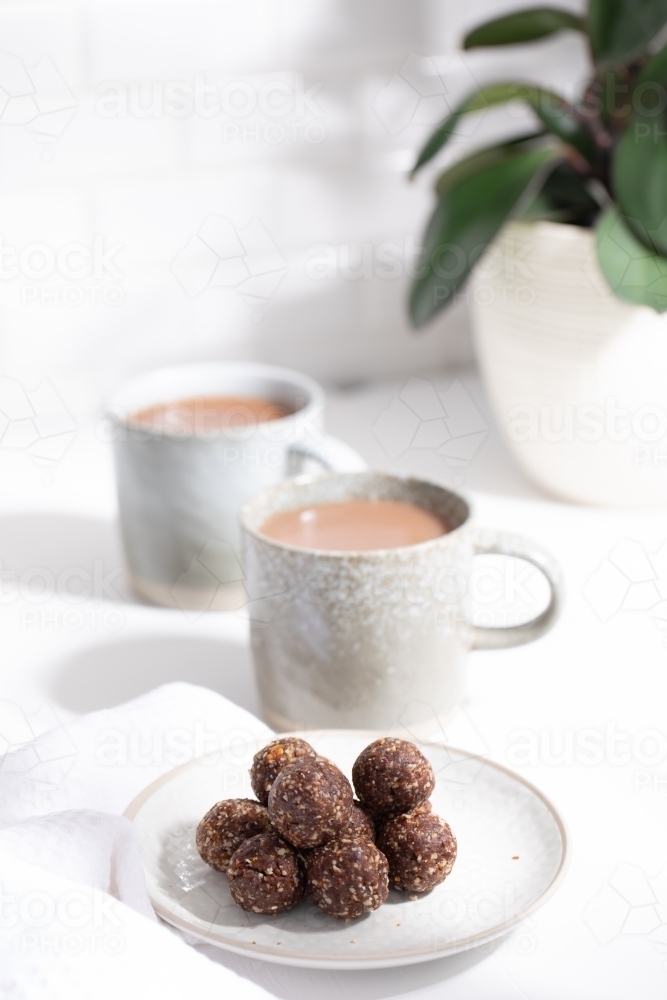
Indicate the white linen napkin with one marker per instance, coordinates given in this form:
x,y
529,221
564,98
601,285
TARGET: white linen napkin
x,y
75,919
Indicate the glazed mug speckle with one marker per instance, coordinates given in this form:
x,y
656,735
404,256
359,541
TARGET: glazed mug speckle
x,y
363,639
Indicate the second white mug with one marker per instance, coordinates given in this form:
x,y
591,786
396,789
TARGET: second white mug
x,y
180,490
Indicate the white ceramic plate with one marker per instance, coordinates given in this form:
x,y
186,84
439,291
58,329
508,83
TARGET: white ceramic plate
x,y
512,853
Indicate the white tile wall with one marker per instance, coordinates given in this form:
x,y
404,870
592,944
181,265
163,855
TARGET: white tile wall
x,y
127,125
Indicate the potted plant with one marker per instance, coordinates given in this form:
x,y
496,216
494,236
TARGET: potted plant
x,y
564,231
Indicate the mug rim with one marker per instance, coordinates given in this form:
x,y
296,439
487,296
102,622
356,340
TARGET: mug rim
x,y
352,553
311,386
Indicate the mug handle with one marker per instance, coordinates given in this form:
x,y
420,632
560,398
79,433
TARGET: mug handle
x,y
488,542
332,455
298,454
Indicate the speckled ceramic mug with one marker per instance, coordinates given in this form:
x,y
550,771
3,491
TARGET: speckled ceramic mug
x,y
179,494
366,639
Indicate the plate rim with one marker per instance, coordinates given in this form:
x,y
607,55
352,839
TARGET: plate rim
x,y
262,953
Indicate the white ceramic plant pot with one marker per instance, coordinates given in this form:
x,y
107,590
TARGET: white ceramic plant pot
x,y
577,378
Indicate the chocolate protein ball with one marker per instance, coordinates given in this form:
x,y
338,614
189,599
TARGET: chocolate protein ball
x,y
381,820
309,802
392,775
420,849
269,762
359,824
226,826
265,875
347,877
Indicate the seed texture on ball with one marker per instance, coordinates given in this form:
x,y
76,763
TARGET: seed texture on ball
x,y
392,775
271,759
420,849
360,823
226,826
381,819
265,875
310,802
347,877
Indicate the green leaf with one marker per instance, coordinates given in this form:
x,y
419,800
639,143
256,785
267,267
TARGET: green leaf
x,y
564,197
524,26
553,111
654,70
482,159
639,175
633,272
648,90
472,165
466,219
639,165
620,30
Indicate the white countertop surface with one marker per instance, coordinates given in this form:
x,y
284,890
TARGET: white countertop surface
x,y
582,713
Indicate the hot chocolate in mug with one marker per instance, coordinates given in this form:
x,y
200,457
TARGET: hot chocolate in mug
x,y
356,639
183,469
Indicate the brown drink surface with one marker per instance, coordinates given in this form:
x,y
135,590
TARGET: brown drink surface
x,y
355,525
210,413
